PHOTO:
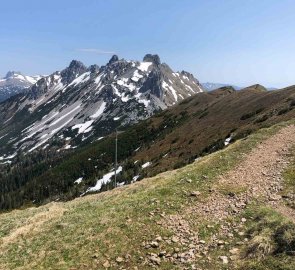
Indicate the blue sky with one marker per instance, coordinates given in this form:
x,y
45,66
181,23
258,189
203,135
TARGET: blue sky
x,y
230,41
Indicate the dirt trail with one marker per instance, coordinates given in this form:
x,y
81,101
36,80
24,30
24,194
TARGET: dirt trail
x,y
257,176
34,224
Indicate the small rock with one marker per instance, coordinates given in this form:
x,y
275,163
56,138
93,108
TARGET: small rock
x,y
224,259
155,259
159,239
154,244
174,239
195,193
243,220
275,197
234,251
176,250
106,264
95,256
119,259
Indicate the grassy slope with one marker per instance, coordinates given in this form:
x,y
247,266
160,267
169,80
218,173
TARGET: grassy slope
x,y
98,228
193,128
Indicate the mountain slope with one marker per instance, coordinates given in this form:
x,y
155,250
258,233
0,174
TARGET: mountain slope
x,y
14,83
170,139
157,223
80,103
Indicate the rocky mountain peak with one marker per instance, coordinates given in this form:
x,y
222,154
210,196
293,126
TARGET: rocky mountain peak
x,y
187,74
75,69
11,74
154,58
76,64
113,59
85,101
93,68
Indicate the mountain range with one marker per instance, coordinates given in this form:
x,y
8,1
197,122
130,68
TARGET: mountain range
x,y
83,103
57,136
14,83
67,167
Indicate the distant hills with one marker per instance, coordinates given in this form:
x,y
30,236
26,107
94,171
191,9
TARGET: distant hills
x,y
208,86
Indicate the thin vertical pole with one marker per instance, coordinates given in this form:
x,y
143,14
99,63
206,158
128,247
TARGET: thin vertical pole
x,y
116,160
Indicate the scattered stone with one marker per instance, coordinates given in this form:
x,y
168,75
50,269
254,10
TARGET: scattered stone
x,y
275,197
119,259
243,220
176,250
155,259
195,193
159,239
106,264
95,256
224,259
234,251
174,239
154,244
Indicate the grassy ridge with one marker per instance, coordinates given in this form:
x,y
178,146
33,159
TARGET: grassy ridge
x,y
93,231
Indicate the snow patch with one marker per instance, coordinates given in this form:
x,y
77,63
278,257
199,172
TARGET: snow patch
x,y
83,128
146,164
134,179
169,87
227,140
136,76
81,79
104,180
99,111
78,181
144,66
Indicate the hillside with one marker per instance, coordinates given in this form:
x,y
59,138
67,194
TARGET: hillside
x,y
228,210
171,139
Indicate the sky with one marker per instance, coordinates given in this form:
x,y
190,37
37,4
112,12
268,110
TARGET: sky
x,y
240,42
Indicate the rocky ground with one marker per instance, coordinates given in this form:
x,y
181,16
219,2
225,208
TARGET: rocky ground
x,y
258,177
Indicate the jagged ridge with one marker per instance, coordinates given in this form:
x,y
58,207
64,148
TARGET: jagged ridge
x,y
79,102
